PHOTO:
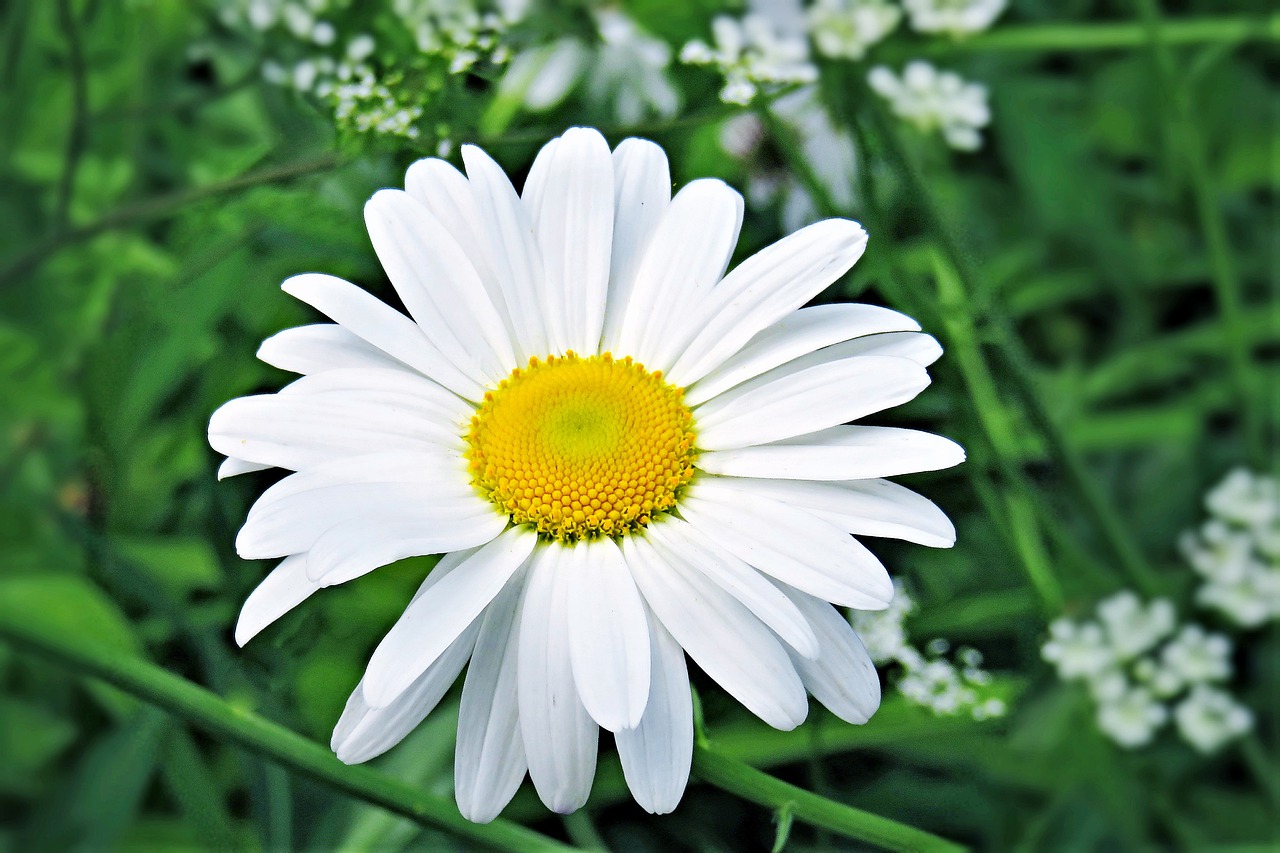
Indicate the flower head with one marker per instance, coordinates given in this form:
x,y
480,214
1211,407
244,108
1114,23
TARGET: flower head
x,y
624,455
953,17
845,29
1208,718
934,100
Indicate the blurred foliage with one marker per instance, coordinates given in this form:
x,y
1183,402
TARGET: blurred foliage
x,y
155,192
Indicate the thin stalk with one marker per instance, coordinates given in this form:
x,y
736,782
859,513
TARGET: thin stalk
x,y
1013,354
1038,38
207,710
159,207
1185,132
78,131
761,788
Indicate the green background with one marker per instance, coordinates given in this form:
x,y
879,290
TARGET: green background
x,y
1102,275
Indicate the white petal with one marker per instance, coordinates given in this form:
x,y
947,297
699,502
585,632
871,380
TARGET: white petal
x,y
839,453
448,195
685,258
729,642
797,334
489,762
439,285
863,508
843,677
233,467
288,517
788,544
683,549
572,214
559,735
765,288
284,589
657,754
320,347
381,325
364,732
512,251
356,547
445,413
608,635
796,399
642,191
299,431
433,620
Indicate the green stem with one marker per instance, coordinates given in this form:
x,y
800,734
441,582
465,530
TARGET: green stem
x,y
1013,353
761,788
159,207
78,132
1185,132
216,715
1112,36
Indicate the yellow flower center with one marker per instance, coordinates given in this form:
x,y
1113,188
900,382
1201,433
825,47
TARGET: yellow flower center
x,y
582,447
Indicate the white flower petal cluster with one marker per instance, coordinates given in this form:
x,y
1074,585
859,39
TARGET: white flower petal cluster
x,y
1237,552
928,679
751,52
953,17
935,101
845,29
625,454
626,71
1133,663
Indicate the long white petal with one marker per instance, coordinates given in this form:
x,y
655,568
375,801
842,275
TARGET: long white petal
x,y
657,754
559,735
786,402
401,390
608,634
765,288
284,589
432,621
320,347
642,191
233,467
364,732
381,325
685,258
728,641
839,453
446,192
676,541
788,544
843,677
572,214
797,334
354,548
439,285
863,508
489,761
511,249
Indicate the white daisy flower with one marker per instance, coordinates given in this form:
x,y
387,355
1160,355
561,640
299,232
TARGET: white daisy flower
x,y
624,454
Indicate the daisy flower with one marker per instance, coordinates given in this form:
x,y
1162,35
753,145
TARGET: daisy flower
x,y
625,456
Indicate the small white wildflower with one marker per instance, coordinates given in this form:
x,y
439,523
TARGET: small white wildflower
x,y
361,47
1078,650
261,14
630,70
1132,718
1110,685
323,33
1162,680
1246,499
1197,656
1219,552
990,708
274,73
298,20
1208,718
935,101
953,17
304,75
845,29
1132,628
750,52
882,631
1249,601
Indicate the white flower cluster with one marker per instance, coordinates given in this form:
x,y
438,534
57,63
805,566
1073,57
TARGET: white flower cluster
x,y
845,29
1237,552
934,100
749,53
953,17
1132,677
462,31
928,679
